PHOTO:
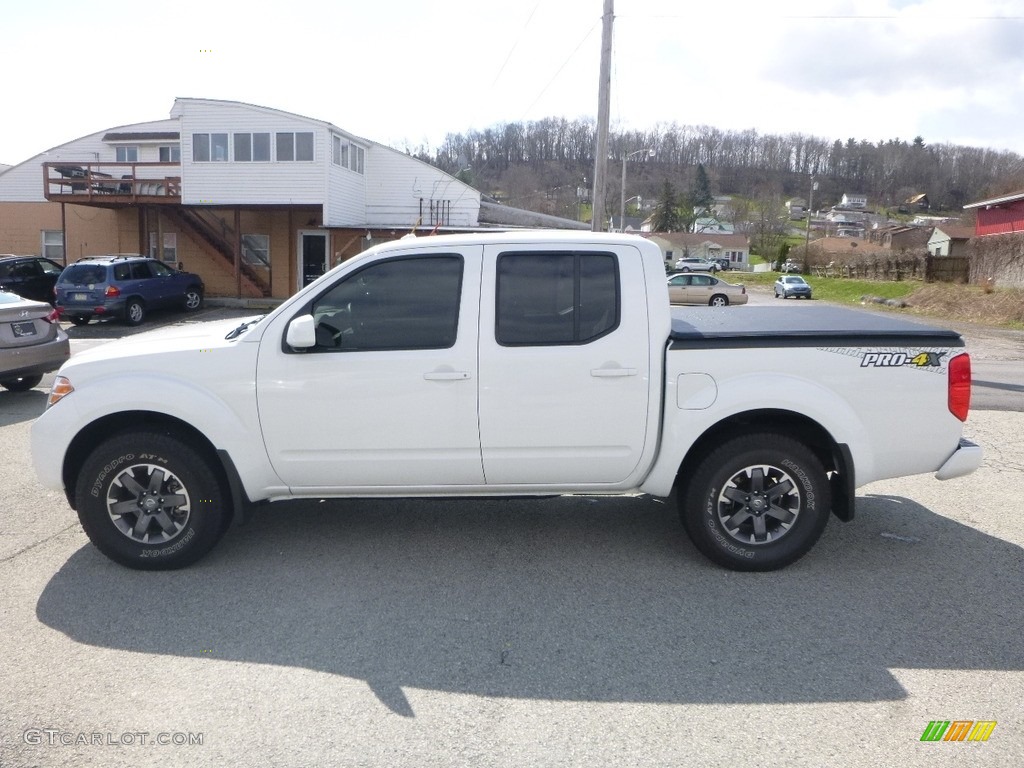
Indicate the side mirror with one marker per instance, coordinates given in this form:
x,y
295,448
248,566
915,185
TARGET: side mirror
x,y
301,333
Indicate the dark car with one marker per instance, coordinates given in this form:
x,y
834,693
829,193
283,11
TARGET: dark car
x,y
124,286
31,342
31,277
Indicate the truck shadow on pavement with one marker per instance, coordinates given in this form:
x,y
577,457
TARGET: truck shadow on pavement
x,y
564,599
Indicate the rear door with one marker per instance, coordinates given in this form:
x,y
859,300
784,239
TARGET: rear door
x,y
565,368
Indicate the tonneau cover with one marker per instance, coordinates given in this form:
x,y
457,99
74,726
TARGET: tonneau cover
x,y
818,325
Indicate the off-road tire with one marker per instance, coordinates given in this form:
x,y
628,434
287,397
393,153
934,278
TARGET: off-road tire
x,y
756,503
151,501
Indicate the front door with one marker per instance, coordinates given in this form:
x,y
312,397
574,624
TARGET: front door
x,y
312,256
387,397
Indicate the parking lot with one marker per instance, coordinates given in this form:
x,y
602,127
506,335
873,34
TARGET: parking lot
x,y
566,631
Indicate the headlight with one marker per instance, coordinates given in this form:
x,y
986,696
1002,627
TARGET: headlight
x,y
61,388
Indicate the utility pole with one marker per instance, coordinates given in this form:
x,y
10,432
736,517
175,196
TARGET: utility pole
x,y
603,111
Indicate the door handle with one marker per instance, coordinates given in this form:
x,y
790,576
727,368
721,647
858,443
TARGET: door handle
x,y
611,373
446,376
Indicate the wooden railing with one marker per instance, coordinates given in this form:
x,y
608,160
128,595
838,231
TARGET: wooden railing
x,y
112,182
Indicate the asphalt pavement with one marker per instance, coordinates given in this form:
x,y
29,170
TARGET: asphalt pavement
x,y
562,632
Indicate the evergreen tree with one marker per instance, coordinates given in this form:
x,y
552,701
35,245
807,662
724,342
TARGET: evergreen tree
x,y
666,213
703,200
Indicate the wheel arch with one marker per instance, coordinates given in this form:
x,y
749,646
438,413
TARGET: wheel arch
x,y
835,457
117,423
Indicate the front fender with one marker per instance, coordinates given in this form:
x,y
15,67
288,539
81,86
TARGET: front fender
x,y
228,421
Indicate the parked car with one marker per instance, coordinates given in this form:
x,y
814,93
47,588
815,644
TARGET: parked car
x,y
696,265
792,285
790,266
126,286
704,289
31,277
31,342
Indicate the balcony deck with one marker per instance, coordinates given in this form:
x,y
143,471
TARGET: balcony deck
x,y
112,185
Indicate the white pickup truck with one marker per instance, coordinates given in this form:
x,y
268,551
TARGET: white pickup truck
x,y
504,364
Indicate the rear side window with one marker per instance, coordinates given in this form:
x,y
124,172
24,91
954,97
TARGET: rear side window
x,y
556,298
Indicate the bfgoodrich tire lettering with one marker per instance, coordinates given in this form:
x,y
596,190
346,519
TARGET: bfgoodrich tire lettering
x,y
150,501
756,503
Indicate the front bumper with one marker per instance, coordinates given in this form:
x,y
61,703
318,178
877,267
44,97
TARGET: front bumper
x,y
965,459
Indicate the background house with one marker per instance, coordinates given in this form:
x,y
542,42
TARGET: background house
x,y
901,238
258,201
949,240
852,200
703,245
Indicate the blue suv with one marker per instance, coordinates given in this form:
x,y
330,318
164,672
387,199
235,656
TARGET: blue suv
x,y
125,286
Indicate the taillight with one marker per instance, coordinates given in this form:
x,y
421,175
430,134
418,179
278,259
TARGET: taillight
x,y
960,386
112,291
53,317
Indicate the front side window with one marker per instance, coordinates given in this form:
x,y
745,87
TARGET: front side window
x,y
556,298
410,303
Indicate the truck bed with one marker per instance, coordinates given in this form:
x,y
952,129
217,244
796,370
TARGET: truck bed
x,y
800,326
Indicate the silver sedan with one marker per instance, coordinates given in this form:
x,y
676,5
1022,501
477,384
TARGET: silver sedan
x,y
31,342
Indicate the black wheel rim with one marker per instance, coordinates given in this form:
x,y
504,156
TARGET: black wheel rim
x,y
148,504
759,504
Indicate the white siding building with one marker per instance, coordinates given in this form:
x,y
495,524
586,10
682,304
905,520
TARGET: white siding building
x,y
258,201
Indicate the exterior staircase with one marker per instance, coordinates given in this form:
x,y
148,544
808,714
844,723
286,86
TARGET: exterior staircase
x,y
218,239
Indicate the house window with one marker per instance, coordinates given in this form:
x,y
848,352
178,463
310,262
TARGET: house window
x,y
126,154
170,154
209,147
256,250
358,155
53,244
170,247
295,146
339,151
252,147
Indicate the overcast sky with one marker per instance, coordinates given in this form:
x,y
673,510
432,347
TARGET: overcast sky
x,y
407,72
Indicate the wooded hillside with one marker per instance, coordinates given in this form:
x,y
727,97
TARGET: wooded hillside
x,y
542,165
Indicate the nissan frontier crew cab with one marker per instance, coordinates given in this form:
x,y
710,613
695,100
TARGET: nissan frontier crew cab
x,y
504,364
